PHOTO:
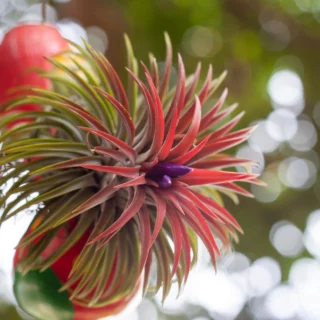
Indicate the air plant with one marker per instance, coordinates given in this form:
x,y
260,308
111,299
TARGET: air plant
x,y
129,171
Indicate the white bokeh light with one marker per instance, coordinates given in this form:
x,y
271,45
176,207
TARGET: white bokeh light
x,y
173,304
20,4
309,297
305,277
264,274
282,303
286,238
271,191
130,312
217,293
306,136
34,13
257,308
4,6
247,152
282,125
97,38
297,173
72,30
305,272
236,262
11,232
202,42
286,90
147,310
8,22
312,234
261,140
2,33
61,1
316,113
124,316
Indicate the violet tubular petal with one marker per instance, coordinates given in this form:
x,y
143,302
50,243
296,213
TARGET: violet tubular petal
x,y
164,182
171,170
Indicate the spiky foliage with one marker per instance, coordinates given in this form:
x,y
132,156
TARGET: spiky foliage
x,y
136,168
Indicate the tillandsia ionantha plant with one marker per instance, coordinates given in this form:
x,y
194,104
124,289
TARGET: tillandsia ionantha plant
x,y
117,172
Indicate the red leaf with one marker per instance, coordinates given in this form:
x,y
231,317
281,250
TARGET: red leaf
x,y
243,133
216,118
177,102
85,115
190,154
193,84
203,94
150,164
198,223
147,270
166,147
131,172
183,192
169,195
124,147
235,188
155,72
74,163
222,161
159,119
150,124
161,213
145,235
202,176
216,146
124,114
227,127
113,154
258,182
98,198
133,207
187,141
219,210
134,182
186,248
209,116
114,81
177,238
167,69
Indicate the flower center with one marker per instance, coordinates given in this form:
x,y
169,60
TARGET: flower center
x,y
162,173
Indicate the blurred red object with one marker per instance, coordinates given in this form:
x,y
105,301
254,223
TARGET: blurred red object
x,y
23,48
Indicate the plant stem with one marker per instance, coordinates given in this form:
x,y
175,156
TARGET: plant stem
x,y
44,11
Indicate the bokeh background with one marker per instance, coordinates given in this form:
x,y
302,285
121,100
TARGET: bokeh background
x,y
271,49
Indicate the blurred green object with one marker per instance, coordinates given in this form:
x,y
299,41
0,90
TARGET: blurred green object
x,y
9,312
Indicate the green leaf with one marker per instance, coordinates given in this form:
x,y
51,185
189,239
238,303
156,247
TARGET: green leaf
x,y
88,93
21,146
133,65
77,184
